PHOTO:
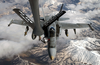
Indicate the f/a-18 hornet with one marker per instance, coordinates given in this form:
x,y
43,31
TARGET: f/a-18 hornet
x,y
46,26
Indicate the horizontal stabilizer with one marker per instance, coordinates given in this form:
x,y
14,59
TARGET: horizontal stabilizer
x,y
24,17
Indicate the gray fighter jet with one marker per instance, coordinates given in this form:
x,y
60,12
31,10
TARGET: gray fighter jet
x,y
46,26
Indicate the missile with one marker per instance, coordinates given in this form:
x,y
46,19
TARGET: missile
x,y
52,44
74,31
27,28
66,32
57,30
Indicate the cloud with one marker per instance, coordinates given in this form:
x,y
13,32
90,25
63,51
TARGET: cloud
x,y
4,7
11,48
92,14
42,2
87,5
92,7
21,1
91,1
13,40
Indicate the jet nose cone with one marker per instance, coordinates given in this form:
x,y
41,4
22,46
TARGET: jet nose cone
x,y
52,58
52,53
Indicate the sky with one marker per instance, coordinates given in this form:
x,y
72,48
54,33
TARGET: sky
x,y
13,40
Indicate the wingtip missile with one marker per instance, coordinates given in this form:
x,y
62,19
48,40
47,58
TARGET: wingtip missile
x,y
91,27
10,23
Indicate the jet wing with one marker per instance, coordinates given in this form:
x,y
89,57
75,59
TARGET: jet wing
x,y
19,22
75,25
26,19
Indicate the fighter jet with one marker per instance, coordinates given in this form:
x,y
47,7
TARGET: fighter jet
x,y
46,26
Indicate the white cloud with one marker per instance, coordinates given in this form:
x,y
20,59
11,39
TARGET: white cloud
x,y
21,1
13,40
4,7
71,6
92,14
92,7
91,1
